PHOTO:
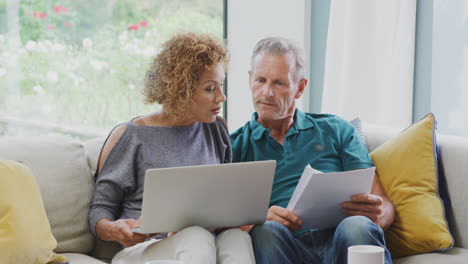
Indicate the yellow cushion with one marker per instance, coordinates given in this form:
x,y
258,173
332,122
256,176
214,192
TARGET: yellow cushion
x,y
25,234
407,167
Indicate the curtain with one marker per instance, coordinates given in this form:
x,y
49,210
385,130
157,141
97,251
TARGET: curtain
x,y
369,61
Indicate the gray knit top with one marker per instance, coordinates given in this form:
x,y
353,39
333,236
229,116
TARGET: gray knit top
x,y
119,186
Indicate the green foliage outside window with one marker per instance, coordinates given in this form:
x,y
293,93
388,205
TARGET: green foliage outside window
x,y
82,63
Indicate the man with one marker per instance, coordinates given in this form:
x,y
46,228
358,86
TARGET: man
x,y
278,131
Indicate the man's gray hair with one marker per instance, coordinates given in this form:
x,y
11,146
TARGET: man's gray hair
x,y
280,46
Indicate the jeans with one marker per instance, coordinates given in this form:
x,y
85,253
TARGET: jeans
x,y
274,243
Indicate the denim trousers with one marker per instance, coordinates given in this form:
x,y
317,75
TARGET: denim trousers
x,y
274,243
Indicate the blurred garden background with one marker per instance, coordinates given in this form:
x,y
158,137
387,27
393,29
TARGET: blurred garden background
x,y
77,67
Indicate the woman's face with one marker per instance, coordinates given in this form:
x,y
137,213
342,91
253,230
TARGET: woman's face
x,y
209,95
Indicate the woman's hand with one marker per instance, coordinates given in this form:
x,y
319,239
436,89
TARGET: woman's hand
x,y
120,231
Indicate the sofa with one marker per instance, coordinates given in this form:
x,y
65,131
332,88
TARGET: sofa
x,y
64,169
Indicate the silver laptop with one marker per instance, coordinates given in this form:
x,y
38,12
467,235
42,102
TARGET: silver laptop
x,y
221,195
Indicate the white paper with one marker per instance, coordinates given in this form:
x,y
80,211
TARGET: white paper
x,y
318,196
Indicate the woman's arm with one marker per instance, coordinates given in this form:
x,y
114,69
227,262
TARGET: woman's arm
x,y
108,193
114,137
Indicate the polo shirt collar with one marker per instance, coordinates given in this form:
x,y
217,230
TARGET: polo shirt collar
x,y
257,129
301,122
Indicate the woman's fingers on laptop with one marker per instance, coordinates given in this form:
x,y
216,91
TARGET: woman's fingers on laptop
x,y
137,223
133,223
285,217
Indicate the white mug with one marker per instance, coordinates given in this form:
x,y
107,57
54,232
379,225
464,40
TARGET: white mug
x,y
164,262
366,254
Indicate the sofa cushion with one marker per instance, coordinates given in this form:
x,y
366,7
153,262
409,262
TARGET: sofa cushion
x,y
407,167
454,153
376,135
24,228
357,124
62,173
451,256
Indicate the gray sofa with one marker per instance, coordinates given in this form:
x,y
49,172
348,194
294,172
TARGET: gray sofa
x,y
64,167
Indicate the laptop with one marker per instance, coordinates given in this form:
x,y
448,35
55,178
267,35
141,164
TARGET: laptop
x,y
210,196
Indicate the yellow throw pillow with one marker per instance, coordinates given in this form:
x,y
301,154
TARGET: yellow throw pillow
x,y
25,234
407,167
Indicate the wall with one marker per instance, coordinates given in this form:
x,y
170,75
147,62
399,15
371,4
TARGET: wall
x,y
248,22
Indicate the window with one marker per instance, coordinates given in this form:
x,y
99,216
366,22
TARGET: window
x,y
449,95
441,65
76,67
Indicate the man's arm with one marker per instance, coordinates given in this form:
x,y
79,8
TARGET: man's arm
x,y
376,205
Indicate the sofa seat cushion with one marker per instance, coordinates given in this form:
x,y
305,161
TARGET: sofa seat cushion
x,y
60,167
451,256
75,258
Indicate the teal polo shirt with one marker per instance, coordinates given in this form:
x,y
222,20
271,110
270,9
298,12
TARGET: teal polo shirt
x,y
326,142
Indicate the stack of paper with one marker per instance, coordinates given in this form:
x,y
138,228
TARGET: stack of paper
x,y
318,196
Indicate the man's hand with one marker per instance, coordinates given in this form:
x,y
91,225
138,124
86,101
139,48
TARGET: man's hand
x,y
284,217
120,231
368,205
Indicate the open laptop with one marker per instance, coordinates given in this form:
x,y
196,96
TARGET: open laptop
x,y
221,195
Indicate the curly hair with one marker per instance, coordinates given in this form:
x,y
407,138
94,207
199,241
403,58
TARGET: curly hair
x,y
175,71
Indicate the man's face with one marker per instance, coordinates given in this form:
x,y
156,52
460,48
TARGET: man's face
x,y
274,86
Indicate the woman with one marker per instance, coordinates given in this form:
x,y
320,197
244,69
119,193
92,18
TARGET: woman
x,y
186,78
